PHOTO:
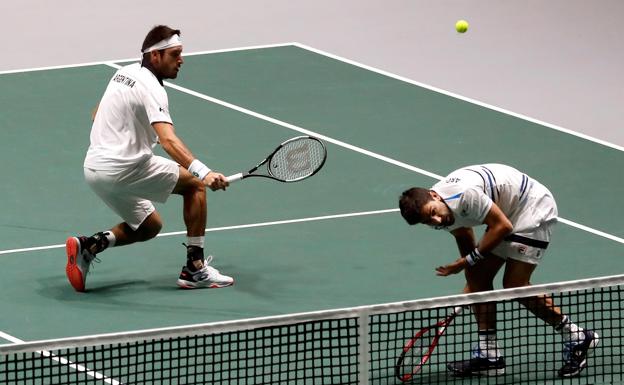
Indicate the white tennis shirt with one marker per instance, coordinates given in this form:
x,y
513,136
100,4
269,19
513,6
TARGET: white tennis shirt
x,y
122,134
470,191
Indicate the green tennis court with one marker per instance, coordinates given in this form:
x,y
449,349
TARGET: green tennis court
x,y
332,241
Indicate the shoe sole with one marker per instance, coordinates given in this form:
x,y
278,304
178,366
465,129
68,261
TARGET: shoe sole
x,y
74,275
486,372
583,364
191,285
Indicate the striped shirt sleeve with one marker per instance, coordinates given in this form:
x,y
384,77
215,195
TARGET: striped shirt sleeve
x,y
475,204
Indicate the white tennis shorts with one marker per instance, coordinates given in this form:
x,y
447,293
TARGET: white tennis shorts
x,y
534,223
130,193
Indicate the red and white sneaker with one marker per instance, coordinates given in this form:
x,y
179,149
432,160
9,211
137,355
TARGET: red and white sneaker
x,y
206,277
78,262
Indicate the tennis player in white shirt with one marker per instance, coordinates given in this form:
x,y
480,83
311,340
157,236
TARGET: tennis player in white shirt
x,y
121,168
519,213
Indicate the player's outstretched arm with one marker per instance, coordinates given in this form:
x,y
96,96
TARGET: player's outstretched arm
x,y
465,239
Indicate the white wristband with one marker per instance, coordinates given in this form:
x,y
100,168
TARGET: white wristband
x,y
198,169
474,257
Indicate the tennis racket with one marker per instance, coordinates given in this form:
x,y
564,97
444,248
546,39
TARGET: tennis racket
x,y
294,160
419,349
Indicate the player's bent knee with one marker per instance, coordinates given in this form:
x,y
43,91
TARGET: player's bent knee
x,y
152,231
150,228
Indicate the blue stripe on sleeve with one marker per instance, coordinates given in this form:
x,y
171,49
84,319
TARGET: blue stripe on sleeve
x,y
453,197
491,181
523,186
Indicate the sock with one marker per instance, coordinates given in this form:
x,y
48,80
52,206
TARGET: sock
x,y
195,241
110,237
488,345
569,330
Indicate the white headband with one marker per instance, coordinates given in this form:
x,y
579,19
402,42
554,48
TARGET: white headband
x,y
173,41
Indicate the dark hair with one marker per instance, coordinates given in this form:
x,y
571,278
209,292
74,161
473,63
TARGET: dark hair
x,y
411,203
156,34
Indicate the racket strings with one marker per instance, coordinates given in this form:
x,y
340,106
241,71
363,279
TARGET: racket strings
x,y
297,159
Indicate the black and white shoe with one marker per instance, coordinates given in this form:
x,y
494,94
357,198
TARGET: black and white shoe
x,y
478,365
575,354
206,277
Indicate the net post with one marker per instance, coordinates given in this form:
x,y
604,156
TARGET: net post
x,y
363,342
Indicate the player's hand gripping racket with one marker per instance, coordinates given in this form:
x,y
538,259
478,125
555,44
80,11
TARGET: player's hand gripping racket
x,y
419,348
294,160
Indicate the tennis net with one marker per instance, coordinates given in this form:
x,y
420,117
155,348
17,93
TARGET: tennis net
x,y
360,345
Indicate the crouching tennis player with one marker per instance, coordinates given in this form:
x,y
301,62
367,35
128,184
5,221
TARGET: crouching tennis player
x,y
519,213
121,168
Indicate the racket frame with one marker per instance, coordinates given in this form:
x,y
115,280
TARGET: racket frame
x,y
250,173
440,328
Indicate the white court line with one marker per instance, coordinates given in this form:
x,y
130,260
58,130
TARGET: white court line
x,y
460,97
65,361
308,219
104,62
590,230
233,227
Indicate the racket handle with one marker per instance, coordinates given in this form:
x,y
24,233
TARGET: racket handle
x,y
235,177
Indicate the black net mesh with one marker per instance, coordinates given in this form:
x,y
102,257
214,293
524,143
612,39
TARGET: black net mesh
x,y
319,352
531,348
328,351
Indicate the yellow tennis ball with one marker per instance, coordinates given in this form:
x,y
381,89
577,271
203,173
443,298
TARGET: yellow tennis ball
x,y
461,26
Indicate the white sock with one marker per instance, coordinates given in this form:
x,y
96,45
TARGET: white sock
x,y
570,331
488,345
195,241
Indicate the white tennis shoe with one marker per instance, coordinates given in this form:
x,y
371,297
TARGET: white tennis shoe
x,y
207,277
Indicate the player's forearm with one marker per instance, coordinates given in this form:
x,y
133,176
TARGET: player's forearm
x,y
497,231
172,145
494,236
465,246
465,240
499,226
177,150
